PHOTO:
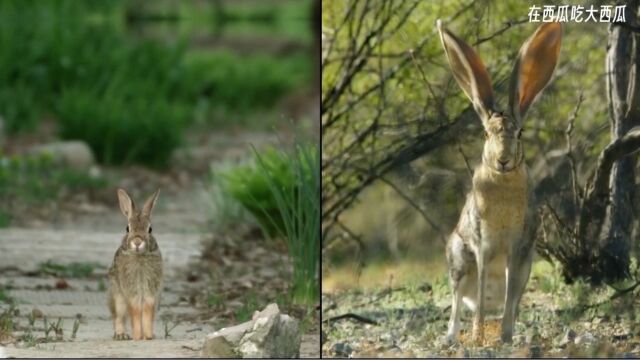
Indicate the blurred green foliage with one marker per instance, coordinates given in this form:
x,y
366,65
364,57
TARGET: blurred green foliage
x,y
129,97
249,184
230,85
37,179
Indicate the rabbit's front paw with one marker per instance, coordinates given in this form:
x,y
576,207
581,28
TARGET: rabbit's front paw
x,y
123,336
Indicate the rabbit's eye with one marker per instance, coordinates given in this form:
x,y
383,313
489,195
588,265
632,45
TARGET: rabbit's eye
x,y
127,228
150,229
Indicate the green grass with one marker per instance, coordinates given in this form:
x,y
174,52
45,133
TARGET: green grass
x,y
4,296
214,301
249,305
249,184
38,179
284,19
230,85
298,206
72,270
224,212
7,323
281,190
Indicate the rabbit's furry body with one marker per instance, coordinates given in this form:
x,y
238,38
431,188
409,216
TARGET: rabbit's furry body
x,y
135,276
493,211
489,254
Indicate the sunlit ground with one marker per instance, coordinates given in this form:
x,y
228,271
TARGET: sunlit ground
x,y
410,301
383,274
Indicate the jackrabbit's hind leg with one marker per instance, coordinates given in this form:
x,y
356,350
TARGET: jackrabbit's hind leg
x,y
454,320
517,277
118,308
148,314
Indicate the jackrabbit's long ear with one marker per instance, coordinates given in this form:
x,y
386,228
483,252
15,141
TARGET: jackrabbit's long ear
x,y
534,66
126,204
150,203
469,72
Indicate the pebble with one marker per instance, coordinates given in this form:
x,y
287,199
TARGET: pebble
x,y
585,339
569,336
342,349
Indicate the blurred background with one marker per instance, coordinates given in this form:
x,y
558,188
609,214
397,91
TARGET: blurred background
x,y
213,101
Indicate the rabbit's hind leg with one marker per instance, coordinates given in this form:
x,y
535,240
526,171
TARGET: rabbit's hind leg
x,y
460,263
134,307
148,313
118,308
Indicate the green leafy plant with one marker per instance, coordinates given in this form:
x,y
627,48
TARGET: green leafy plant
x,y
250,185
298,207
281,189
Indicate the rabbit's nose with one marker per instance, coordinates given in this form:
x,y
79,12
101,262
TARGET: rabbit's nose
x,y
137,242
503,162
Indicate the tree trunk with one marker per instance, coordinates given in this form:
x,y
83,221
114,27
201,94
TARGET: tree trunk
x,y
622,62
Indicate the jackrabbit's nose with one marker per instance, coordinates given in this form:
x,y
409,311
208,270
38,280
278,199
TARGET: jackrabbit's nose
x,y
503,162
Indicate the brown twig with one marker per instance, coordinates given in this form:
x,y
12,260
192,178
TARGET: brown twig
x,y
351,316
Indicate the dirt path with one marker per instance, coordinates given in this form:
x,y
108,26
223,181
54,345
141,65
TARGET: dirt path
x,y
92,238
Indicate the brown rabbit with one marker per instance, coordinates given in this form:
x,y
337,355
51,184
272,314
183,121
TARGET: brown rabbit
x,y
135,277
488,254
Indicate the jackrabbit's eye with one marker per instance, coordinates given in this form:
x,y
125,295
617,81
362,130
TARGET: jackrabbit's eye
x,y
150,229
519,133
486,134
127,228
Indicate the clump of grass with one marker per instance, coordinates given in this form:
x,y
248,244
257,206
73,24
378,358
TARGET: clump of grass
x,y
4,297
123,128
250,185
72,270
281,189
298,207
36,180
214,301
225,211
7,325
245,312
228,84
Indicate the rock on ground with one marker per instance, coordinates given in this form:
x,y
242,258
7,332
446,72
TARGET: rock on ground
x,y
269,334
76,154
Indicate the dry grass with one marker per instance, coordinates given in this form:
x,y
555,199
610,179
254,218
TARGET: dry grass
x,y
384,274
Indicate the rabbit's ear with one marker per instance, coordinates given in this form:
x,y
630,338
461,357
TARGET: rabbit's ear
x,y
126,204
150,203
469,72
534,66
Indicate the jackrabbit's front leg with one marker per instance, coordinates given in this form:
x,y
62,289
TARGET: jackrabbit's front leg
x,y
478,321
518,272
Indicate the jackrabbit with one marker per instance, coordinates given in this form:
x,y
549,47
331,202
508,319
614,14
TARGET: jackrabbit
x,y
489,252
135,277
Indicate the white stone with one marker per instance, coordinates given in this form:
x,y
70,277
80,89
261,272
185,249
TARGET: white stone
x,y
76,154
